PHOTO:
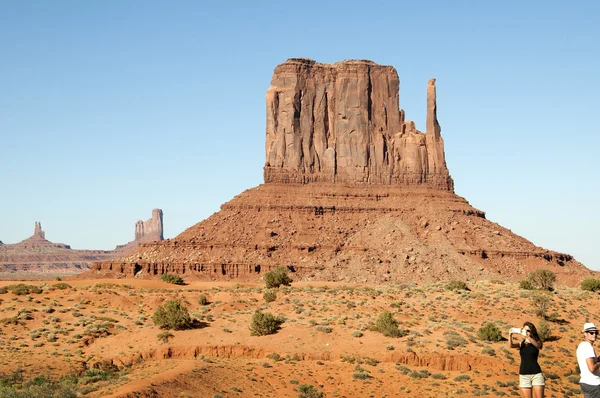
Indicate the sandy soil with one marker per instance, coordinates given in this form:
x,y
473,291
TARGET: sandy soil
x,y
326,340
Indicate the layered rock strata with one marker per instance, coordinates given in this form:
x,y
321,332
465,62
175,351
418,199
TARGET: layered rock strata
x,y
345,233
342,123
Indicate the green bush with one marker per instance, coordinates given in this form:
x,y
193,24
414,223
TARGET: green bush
x,y
172,278
544,330
388,326
591,284
542,279
526,284
269,296
264,323
62,286
457,285
309,391
164,336
202,300
22,289
172,316
489,332
277,278
540,304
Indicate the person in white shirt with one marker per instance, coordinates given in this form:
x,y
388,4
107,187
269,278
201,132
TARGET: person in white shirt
x,y
589,365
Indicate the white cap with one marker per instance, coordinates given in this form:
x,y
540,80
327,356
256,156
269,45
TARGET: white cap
x,y
589,326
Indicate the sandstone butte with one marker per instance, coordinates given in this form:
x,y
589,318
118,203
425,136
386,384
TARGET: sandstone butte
x,y
352,192
37,255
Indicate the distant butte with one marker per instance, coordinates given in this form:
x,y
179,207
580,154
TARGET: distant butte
x,y
353,192
38,255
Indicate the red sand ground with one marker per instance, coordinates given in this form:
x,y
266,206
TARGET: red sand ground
x,y
325,341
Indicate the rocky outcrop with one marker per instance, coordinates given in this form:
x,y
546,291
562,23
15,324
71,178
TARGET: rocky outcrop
x,y
353,193
342,123
151,229
38,232
37,255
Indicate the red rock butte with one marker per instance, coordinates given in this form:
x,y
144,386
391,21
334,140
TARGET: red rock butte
x,y
353,192
36,254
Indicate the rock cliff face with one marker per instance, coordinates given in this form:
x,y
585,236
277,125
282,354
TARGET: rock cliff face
x,y
342,123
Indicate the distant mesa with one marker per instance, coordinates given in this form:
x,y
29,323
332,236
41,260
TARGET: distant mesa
x,y
38,255
353,192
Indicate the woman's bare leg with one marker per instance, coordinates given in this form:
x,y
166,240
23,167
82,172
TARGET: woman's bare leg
x,y
526,392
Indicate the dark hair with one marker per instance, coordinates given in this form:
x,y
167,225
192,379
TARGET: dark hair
x,y
534,332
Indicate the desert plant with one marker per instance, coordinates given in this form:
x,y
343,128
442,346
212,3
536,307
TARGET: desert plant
x,y
172,278
544,330
62,286
526,284
457,285
172,316
202,300
309,391
388,326
542,279
22,289
590,284
270,296
541,305
489,332
277,278
164,336
264,323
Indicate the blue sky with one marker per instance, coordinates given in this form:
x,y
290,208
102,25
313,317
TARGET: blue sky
x,y
109,109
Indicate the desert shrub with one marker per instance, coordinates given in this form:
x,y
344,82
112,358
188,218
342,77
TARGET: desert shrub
x,y
269,296
540,304
62,286
172,278
3,290
164,336
277,278
590,284
274,356
489,351
542,279
544,330
357,333
462,377
22,289
172,316
388,326
489,332
308,391
526,284
264,323
456,285
202,300
324,329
